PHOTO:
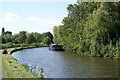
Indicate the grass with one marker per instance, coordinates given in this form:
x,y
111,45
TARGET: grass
x,y
5,65
14,69
13,45
11,50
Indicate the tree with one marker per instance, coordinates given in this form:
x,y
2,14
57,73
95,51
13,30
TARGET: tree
x,y
38,37
7,38
3,30
2,39
8,32
47,40
47,34
89,28
22,37
15,38
30,39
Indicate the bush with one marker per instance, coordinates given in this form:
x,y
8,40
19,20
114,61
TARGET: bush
x,y
7,45
36,44
117,50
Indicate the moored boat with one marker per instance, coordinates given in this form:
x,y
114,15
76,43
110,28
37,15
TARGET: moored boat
x,y
56,47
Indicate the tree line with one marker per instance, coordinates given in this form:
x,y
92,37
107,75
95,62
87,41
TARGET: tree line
x,y
91,28
25,37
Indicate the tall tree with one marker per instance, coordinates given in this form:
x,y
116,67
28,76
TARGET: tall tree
x,y
47,40
22,37
89,28
8,32
30,38
3,30
47,34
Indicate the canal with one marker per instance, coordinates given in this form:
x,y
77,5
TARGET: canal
x,y
63,64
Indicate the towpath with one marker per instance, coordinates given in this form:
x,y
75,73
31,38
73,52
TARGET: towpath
x,y
2,72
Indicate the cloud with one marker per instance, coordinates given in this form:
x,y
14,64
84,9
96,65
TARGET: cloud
x,y
43,22
11,17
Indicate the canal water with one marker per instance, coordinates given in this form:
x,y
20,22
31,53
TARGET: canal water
x,y
63,64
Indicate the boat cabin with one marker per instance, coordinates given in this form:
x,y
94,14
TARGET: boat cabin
x,y
56,47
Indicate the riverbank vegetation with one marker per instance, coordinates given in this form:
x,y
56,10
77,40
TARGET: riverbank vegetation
x,y
11,50
25,39
14,69
20,41
13,45
91,29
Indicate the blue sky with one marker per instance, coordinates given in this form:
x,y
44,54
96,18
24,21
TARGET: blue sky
x,y
32,16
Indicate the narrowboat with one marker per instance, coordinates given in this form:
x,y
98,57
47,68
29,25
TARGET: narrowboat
x,y
56,47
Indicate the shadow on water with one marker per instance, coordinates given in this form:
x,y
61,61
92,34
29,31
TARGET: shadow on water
x,y
65,64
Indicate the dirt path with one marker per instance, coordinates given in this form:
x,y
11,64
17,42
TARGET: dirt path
x,y
2,72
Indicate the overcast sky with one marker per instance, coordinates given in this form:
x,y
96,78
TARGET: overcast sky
x,y
32,16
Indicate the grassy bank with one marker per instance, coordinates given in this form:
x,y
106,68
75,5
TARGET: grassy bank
x,y
11,50
12,67
13,45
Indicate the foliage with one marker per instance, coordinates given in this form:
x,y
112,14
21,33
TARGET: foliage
x,y
91,28
24,37
13,45
46,36
47,40
30,39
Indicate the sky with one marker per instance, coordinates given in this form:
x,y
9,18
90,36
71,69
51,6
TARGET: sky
x,y
32,16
